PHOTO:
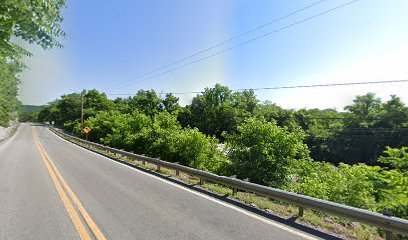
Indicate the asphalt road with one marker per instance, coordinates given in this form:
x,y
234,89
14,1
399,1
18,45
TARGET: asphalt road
x,y
52,189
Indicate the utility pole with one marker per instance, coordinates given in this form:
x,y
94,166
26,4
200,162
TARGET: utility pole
x,y
82,110
82,107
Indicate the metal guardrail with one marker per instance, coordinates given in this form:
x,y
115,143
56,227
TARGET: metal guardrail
x,y
388,223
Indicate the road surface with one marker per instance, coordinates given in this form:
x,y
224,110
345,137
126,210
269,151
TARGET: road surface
x,y
53,189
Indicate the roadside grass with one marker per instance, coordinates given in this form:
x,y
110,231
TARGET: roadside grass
x,y
334,225
216,188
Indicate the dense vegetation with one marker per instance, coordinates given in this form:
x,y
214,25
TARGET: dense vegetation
x,y
357,157
31,21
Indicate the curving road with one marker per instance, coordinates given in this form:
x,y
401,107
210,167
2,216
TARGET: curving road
x,y
52,189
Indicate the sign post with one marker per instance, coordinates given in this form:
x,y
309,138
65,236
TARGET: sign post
x,y
86,131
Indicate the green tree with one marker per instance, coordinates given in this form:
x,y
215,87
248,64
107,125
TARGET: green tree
x,y
363,107
170,104
95,102
218,110
369,126
145,101
265,152
273,113
8,88
66,111
320,127
37,22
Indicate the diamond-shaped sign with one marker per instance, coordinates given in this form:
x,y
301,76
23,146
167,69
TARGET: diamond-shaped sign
x,y
87,130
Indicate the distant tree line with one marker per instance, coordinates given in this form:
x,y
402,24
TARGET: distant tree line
x,y
357,157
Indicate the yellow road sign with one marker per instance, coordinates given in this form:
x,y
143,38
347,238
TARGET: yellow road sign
x,y
87,130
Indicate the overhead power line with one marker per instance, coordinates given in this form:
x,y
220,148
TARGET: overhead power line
x,y
221,43
238,45
370,131
358,118
282,87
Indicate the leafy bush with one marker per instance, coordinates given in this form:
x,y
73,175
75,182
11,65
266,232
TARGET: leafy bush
x,y
393,193
187,146
264,152
350,185
368,187
160,136
395,158
202,152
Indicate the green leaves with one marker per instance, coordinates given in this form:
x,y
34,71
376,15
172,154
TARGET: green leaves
x,y
395,158
160,136
37,22
264,152
8,89
218,110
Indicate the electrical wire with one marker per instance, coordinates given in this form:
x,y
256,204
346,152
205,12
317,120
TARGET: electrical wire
x,y
221,43
240,44
281,87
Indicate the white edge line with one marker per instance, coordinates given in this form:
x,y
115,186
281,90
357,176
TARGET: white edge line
x,y
255,216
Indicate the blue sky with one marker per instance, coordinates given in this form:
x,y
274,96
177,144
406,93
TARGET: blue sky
x,y
109,43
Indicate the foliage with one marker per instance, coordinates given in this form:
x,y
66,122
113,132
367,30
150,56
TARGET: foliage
x,y
396,158
393,193
264,152
264,142
28,116
35,22
8,88
66,111
369,126
170,104
160,136
218,110
394,185
350,185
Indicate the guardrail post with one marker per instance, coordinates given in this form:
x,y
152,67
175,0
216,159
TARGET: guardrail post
x,y
301,209
234,189
201,182
246,180
388,234
177,171
158,166
143,162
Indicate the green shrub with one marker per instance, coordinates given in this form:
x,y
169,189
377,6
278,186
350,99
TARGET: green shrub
x,y
264,152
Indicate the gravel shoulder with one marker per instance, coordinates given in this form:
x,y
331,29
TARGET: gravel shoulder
x,y
8,131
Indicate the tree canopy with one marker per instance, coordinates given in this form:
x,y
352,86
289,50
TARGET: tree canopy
x,y
36,22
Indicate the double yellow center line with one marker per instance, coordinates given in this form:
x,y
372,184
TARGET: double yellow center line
x,y
68,197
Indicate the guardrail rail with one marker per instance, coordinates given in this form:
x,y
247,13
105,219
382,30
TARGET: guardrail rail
x,y
383,221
